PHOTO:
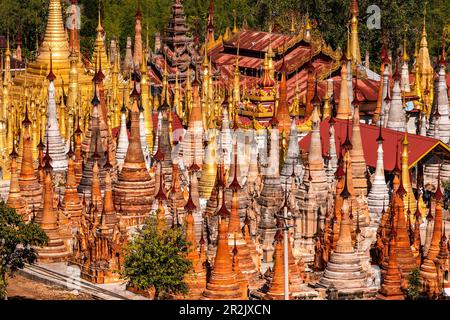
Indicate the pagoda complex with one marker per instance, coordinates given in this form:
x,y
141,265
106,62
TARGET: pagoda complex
x,y
217,140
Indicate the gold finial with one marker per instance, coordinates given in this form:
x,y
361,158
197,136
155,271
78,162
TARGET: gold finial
x,y
424,31
99,26
235,21
348,52
405,139
405,53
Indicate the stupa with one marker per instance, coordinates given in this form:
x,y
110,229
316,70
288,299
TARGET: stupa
x,y
378,197
344,270
270,198
134,189
30,189
396,117
72,202
52,134
312,193
55,250
122,145
223,284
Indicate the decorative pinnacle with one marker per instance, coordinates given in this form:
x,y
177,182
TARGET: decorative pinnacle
x,y
223,211
47,166
190,205
51,76
26,121
345,194
380,138
161,196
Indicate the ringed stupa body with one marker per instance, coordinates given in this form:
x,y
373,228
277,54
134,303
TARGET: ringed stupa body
x,y
56,42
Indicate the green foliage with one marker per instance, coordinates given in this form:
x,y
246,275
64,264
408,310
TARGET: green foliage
x,y
17,241
332,17
413,290
157,259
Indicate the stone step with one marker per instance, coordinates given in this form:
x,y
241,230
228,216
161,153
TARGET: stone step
x,y
60,275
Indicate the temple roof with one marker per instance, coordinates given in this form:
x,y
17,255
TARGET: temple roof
x,y
422,145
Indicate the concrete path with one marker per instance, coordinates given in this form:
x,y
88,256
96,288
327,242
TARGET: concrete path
x,y
68,277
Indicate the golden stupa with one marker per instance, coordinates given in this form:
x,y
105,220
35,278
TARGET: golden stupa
x,y
56,42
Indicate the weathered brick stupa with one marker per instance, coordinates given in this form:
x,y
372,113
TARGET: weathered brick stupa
x,y
292,163
235,236
196,277
312,193
55,250
72,202
270,198
15,200
430,283
223,284
134,189
93,135
109,210
30,189
344,270
391,287
165,142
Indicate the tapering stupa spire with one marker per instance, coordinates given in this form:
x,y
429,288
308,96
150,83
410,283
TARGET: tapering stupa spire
x,y
122,145
55,250
357,153
99,56
52,133
405,69
409,198
354,42
222,285
134,189
137,54
72,202
344,270
55,40
423,62
30,188
397,116
378,196
15,200
343,111
283,117
428,272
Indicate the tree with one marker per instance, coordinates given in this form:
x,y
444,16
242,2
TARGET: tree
x,y
17,244
413,292
157,260
331,16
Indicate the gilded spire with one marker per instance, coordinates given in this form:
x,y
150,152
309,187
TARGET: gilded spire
x,y
55,39
354,43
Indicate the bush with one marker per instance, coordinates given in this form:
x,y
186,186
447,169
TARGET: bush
x,y
158,260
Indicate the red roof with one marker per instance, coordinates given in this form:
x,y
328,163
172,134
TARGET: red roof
x,y
419,146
